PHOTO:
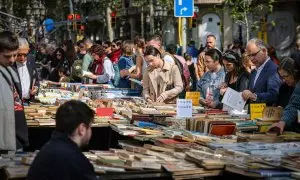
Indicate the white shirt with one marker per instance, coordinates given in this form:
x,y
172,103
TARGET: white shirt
x,y
25,79
259,69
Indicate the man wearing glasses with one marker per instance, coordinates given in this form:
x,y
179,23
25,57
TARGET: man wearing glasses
x,y
25,68
264,81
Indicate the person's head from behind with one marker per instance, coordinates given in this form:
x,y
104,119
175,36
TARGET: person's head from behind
x,y
22,51
9,45
87,43
153,57
211,41
97,51
289,71
116,45
128,48
212,59
231,61
257,51
74,118
155,41
171,48
187,57
191,43
139,42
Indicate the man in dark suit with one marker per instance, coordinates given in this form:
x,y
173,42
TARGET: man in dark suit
x,y
264,80
25,68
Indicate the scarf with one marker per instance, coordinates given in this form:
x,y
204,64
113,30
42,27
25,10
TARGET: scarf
x,y
115,56
98,65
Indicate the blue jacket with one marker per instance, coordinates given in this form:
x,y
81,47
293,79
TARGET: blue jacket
x,y
208,80
290,113
125,62
267,84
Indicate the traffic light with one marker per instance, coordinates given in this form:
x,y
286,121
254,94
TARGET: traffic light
x,y
113,18
75,21
70,18
78,21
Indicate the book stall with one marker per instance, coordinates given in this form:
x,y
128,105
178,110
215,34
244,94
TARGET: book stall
x,y
165,141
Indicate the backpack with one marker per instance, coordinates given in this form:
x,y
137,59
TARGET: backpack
x,y
76,71
180,67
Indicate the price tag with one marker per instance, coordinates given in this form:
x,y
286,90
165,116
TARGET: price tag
x,y
257,110
194,96
184,108
104,112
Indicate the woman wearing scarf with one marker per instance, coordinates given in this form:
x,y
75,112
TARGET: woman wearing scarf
x,y
102,66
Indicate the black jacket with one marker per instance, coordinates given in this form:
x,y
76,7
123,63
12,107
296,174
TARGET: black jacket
x,y
32,73
241,83
61,158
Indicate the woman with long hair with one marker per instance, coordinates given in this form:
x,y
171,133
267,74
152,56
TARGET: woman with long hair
x,y
162,80
237,76
103,72
58,61
70,53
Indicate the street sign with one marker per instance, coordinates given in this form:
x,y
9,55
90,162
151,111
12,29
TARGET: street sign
x,y
183,8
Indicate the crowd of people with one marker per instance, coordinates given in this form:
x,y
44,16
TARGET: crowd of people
x,y
164,76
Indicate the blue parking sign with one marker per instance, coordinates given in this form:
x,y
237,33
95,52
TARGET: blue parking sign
x,y
183,8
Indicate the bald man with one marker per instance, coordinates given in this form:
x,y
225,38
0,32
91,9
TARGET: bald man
x,y
26,70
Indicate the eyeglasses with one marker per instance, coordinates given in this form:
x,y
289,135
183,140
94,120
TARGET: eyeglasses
x,y
254,54
22,54
58,54
229,56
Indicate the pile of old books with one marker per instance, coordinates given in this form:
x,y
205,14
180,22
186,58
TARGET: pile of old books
x,y
291,161
39,115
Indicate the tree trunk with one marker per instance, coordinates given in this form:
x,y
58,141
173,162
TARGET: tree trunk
x,y
151,18
109,24
142,21
246,20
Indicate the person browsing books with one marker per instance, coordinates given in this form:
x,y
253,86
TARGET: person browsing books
x,y
161,81
289,71
61,157
237,76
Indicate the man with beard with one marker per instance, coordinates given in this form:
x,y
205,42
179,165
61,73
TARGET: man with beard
x,y
61,157
200,66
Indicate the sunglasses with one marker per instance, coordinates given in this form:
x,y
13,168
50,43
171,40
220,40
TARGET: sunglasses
x,y
229,56
22,54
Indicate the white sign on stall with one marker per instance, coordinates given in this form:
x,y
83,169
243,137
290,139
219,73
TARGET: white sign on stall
x,y
184,108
